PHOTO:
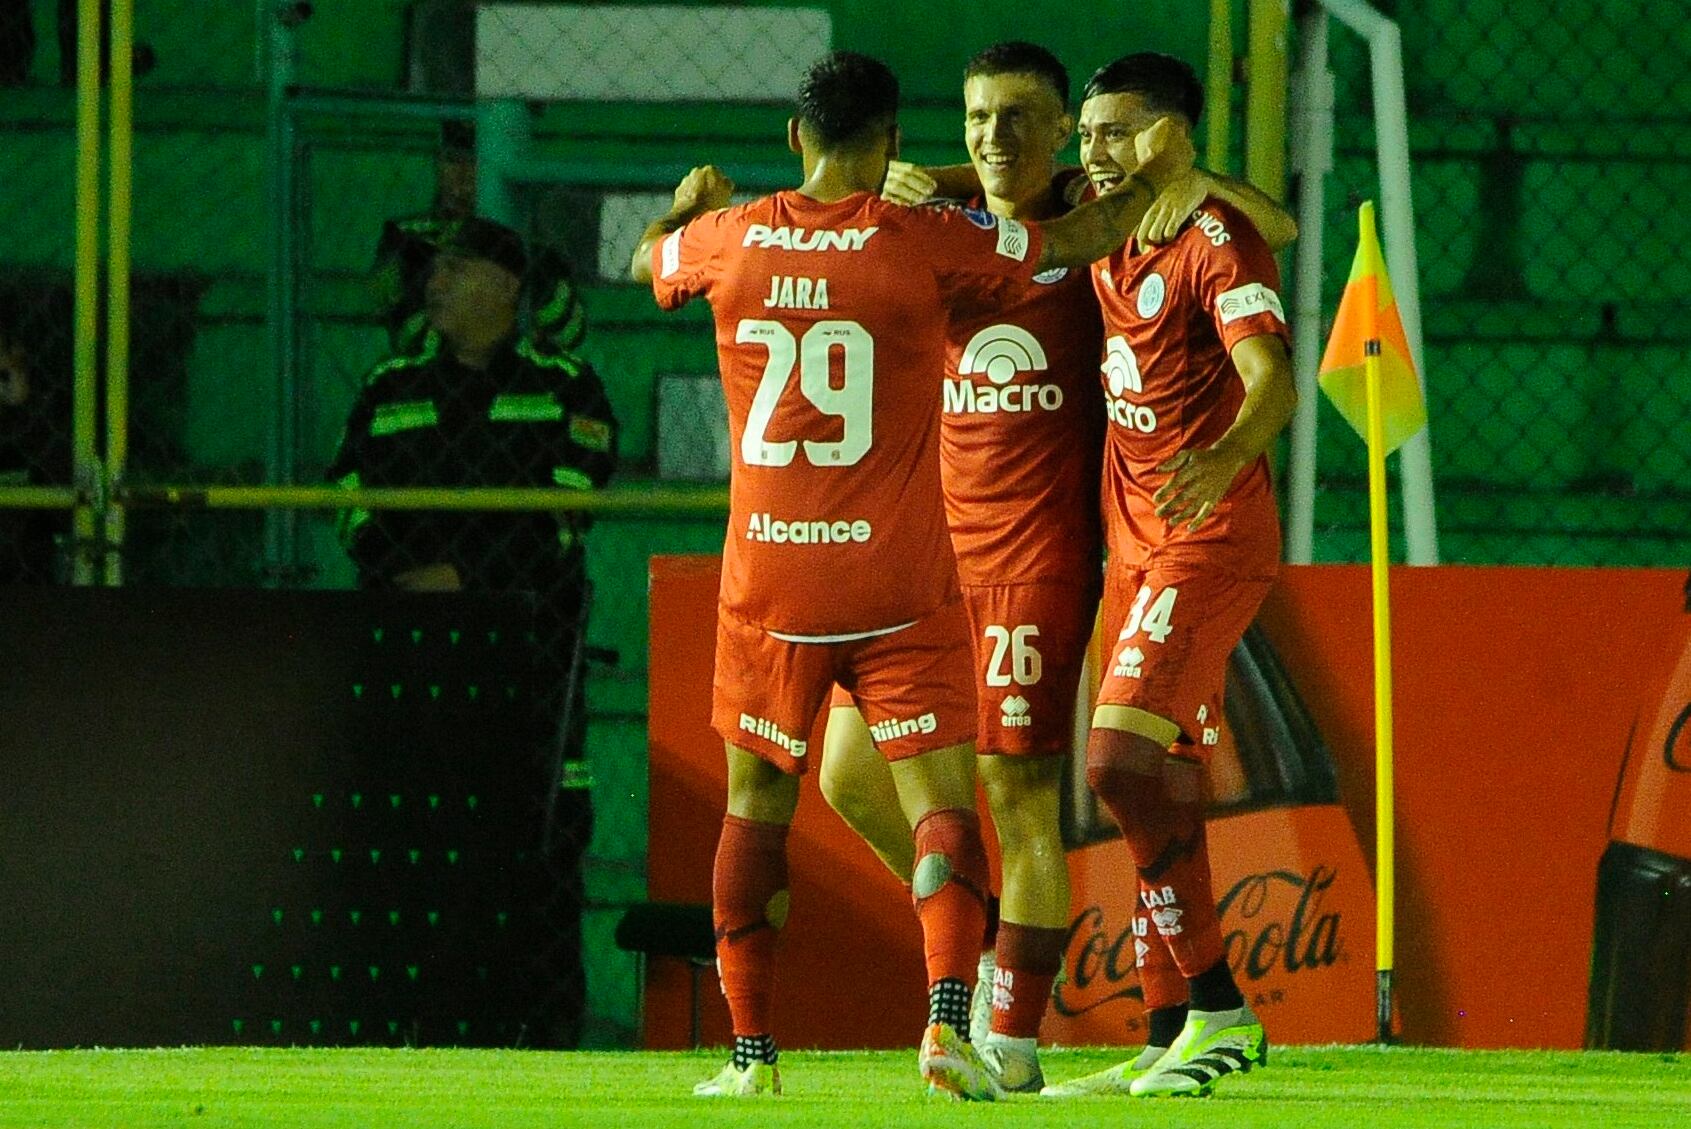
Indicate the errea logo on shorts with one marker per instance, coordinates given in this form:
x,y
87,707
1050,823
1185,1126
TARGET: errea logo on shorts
x,y
770,732
893,728
804,239
772,530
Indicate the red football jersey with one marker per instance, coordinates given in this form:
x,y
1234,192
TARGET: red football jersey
x,y
1171,316
1021,434
830,334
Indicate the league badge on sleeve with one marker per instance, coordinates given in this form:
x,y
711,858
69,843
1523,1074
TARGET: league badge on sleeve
x,y
981,218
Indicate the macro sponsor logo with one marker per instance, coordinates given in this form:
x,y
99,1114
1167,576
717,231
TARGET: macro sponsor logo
x,y
772,733
1122,376
1000,353
894,728
804,239
772,530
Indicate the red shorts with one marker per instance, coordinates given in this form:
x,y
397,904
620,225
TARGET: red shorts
x,y
1030,645
912,686
1029,648
1170,632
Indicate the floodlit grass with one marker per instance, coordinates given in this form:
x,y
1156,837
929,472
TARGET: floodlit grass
x,y
1304,1088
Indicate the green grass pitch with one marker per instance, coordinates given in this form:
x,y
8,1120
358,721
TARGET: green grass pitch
x,y
1303,1088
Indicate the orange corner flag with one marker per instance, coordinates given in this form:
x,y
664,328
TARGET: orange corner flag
x,y
1368,313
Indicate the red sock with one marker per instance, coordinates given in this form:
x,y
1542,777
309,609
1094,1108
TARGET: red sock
x,y
1168,844
1159,976
949,887
1029,958
749,896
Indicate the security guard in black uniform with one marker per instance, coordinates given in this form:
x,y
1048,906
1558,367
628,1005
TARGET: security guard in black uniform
x,y
406,249
479,404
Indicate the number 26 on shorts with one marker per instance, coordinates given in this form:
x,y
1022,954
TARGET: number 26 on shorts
x,y
1156,618
1017,644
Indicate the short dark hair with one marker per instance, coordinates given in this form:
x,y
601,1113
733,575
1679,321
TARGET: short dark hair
x,y
1017,56
844,96
1168,85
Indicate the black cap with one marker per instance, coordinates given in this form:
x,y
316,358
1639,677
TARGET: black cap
x,y
478,238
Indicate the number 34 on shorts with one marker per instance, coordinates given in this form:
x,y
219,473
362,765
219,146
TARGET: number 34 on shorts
x,y
1152,614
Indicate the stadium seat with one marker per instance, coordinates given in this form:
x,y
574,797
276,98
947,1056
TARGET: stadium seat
x,y
670,929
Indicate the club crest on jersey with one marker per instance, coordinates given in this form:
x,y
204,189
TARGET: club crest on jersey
x,y
1000,353
981,218
1151,293
804,239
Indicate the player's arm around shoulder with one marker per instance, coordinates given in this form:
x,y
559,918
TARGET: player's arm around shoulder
x,y
1234,277
704,189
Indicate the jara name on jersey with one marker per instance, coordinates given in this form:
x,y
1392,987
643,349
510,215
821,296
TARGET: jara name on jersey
x,y
788,292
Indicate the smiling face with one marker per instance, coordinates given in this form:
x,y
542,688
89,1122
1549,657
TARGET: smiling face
x,y
1014,125
1108,125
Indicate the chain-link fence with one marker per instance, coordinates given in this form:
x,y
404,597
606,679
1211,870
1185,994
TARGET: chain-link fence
x,y
1547,142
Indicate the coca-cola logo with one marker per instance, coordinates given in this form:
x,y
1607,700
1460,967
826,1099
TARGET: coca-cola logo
x,y
1263,941
1272,921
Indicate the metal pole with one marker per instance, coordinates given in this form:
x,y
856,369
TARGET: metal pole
x,y
1220,83
119,203
1265,98
1312,156
1391,132
85,395
281,527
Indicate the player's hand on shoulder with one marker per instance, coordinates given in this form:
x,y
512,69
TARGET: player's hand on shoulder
x,y
1199,478
1165,153
1172,208
704,189
908,184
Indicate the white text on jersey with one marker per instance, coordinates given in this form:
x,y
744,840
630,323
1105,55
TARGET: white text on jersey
x,y
803,239
893,728
1001,352
965,397
789,293
770,732
1212,227
763,527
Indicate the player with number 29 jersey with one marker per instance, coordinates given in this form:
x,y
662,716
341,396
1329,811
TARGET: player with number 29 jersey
x,y
830,331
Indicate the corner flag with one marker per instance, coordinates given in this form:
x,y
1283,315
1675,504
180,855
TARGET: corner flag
x,y
1368,313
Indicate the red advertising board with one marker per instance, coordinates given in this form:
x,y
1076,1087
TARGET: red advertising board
x,y
1515,692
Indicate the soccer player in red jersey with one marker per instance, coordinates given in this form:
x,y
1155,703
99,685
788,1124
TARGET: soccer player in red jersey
x,y
1197,383
837,566
1020,443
